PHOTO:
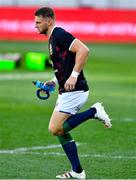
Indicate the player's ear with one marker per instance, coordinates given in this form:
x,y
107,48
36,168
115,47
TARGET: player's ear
x,y
50,21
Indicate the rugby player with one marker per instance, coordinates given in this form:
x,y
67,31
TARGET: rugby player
x,y
68,55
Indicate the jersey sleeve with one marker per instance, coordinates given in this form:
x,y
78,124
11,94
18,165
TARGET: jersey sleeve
x,y
65,39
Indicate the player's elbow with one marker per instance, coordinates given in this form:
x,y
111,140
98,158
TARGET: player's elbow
x,y
87,51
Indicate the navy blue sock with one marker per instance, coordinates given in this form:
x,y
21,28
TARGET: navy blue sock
x,y
77,119
70,149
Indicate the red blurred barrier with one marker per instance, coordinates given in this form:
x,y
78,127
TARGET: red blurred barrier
x,y
87,24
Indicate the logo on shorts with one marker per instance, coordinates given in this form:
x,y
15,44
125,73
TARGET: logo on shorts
x,y
77,108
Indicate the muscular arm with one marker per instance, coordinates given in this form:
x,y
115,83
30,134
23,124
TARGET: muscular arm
x,y
82,52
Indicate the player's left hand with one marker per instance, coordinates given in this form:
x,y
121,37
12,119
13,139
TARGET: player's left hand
x,y
70,83
50,83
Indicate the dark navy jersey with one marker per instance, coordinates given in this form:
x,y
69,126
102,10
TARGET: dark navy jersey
x,y
63,59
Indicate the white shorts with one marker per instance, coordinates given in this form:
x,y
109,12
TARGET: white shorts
x,y
71,102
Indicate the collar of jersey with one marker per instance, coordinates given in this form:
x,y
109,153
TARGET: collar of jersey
x,y
52,30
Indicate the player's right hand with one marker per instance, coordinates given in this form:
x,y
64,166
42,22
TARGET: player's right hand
x,y
70,83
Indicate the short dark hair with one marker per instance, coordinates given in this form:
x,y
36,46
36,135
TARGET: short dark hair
x,y
45,12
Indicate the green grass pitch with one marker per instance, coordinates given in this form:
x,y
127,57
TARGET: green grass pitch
x,y
29,151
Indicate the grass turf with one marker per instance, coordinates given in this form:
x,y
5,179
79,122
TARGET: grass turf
x,y
104,153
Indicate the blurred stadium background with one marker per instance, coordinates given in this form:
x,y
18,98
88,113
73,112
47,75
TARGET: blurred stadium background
x,y
131,4
27,150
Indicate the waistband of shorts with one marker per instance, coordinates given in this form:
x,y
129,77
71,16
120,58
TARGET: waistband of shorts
x,y
64,91
81,86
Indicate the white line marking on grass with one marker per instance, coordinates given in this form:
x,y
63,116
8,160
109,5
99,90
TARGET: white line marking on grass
x,y
91,155
125,119
129,120
32,151
27,149
108,156
21,76
110,78
102,156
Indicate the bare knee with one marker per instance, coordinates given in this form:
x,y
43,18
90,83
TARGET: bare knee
x,y
55,130
56,123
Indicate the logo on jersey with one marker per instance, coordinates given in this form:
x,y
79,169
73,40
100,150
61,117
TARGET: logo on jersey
x,y
51,49
56,70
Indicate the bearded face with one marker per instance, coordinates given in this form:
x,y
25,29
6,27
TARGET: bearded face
x,y
42,24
